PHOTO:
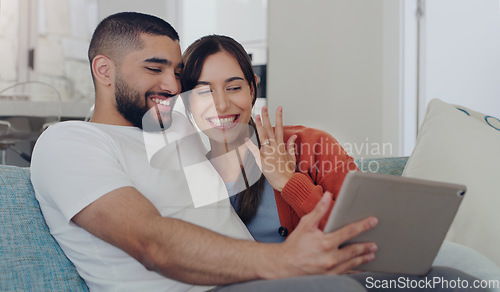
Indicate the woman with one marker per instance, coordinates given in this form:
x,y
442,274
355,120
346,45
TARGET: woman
x,y
221,90
277,183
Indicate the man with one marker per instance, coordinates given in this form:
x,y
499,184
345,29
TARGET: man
x,y
128,225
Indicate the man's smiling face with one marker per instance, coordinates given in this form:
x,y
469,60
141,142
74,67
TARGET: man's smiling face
x,y
149,78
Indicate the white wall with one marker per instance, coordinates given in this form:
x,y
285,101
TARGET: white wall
x,y
153,7
461,54
327,61
9,46
60,36
245,21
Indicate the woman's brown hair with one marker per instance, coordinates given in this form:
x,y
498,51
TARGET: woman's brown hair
x,y
194,57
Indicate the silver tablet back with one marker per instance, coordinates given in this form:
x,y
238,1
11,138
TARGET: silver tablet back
x,y
414,217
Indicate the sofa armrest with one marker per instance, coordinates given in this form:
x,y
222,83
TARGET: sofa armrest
x,y
31,258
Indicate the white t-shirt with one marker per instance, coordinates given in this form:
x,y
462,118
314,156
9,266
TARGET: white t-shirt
x,y
75,163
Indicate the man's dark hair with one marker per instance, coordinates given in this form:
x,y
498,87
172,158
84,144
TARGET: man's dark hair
x,y
119,33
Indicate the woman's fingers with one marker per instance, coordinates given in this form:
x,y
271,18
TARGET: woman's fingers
x,y
279,125
260,130
291,163
278,161
266,123
290,146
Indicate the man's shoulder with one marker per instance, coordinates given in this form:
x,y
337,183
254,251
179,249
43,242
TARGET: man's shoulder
x,y
88,129
66,131
70,126
69,137
61,126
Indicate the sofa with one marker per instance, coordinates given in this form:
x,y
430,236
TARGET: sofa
x,y
31,259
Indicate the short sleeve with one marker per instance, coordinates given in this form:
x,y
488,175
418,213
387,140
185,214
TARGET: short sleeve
x,y
73,165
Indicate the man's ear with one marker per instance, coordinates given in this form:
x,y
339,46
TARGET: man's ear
x,y
103,69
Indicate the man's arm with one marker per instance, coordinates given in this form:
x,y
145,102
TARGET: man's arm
x,y
192,254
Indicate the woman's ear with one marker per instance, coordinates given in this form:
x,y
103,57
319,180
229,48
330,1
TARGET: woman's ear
x,y
103,70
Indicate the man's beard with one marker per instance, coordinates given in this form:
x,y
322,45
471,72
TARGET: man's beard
x,y
128,103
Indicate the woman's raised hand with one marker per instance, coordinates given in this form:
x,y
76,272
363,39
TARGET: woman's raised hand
x,y
277,160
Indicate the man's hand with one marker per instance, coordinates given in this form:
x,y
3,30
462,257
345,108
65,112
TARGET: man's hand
x,y
308,250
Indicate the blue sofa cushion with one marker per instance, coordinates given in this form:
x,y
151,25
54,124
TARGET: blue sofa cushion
x,y
387,165
30,257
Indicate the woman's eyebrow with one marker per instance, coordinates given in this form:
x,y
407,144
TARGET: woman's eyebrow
x,y
234,78
226,81
202,83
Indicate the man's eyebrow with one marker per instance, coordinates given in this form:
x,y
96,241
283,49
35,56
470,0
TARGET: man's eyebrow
x,y
163,61
159,61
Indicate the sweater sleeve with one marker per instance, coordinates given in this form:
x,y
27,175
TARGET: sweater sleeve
x,y
321,165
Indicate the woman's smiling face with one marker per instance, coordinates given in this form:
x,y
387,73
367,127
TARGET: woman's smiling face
x,y
221,102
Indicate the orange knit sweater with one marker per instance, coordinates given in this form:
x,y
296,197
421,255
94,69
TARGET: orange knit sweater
x,y
321,165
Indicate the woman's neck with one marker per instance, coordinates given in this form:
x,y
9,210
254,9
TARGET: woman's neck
x,y
226,161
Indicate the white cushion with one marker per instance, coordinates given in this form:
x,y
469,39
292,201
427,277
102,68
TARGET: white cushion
x,y
455,147
488,120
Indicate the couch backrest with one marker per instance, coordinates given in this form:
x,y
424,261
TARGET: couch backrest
x,y
31,260
386,165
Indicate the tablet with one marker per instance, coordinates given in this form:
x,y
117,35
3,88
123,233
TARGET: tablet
x,y
414,216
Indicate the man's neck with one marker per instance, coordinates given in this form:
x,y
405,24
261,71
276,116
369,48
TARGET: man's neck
x,y
105,112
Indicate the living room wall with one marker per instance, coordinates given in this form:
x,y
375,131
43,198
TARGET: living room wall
x,y
327,64
59,32
9,23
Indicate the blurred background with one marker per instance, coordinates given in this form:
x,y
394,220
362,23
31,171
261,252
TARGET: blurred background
x,y
363,70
